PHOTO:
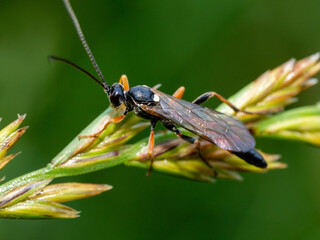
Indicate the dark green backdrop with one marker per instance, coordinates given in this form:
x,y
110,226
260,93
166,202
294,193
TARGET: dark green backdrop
x,y
203,45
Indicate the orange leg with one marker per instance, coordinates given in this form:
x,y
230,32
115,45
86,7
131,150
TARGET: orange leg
x,y
113,120
179,93
150,147
206,96
124,81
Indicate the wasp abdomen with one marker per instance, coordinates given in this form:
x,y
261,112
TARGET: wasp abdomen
x,y
252,157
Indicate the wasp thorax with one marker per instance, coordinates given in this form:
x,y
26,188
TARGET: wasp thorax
x,y
116,95
143,95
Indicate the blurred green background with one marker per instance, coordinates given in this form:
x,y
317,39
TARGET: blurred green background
x,y
203,45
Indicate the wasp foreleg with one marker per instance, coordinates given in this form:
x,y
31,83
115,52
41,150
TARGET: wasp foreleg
x,y
113,120
125,83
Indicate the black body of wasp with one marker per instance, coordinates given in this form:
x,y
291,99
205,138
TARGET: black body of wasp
x,y
225,131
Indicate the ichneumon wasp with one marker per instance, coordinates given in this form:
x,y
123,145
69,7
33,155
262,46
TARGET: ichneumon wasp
x,y
225,131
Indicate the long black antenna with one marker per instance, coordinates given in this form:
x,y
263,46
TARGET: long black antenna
x,y
77,67
84,42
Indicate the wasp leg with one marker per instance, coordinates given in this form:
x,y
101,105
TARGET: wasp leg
x,y
150,146
179,93
157,86
124,81
206,96
191,140
113,120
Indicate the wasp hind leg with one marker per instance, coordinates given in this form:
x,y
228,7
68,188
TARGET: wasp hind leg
x,y
191,140
206,96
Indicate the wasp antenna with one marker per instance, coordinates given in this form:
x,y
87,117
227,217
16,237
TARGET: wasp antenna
x,y
84,42
51,58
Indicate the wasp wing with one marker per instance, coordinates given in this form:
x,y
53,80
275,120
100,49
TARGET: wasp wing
x,y
225,131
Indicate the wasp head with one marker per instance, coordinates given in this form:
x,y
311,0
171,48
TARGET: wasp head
x,y
116,95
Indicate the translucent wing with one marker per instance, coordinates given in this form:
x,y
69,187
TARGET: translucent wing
x,y
225,131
